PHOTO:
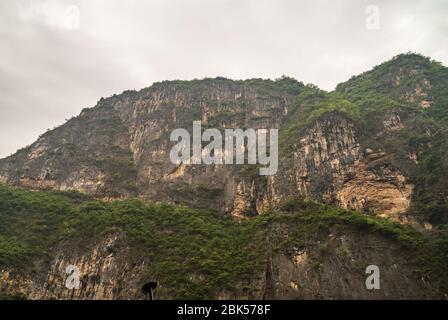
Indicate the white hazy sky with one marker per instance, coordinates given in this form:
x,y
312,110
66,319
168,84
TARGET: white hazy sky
x,y
57,57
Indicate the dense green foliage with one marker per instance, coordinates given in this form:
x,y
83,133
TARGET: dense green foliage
x,y
283,84
430,197
192,252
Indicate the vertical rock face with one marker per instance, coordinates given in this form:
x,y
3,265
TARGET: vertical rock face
x,y
158,111
121,148
104,271
330,163
90,153
376,188
326,156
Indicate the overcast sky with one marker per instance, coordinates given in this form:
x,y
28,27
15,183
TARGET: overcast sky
x,y
57,57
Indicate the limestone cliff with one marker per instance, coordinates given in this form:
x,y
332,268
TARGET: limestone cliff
x,y
377,144
120,148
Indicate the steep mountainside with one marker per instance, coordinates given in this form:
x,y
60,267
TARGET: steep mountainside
x,y
376,145
381,133
121,147
304,251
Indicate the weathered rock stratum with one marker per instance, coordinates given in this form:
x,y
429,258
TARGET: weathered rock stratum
x,y
376,145
345,148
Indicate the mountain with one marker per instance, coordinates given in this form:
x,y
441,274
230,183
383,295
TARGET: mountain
x,y
375,145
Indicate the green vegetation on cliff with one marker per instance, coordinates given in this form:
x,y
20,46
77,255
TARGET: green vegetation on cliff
x,y
196,252
281,85
192,252
410,86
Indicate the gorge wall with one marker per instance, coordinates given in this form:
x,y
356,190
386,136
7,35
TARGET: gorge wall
x,y
121,148
376,145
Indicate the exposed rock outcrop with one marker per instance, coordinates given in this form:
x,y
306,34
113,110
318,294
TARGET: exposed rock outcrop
x,y
121,148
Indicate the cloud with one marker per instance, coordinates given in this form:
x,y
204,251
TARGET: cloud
x,y
57,57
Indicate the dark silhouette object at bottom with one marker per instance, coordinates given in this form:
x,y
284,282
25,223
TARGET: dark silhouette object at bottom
x,y
148,288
